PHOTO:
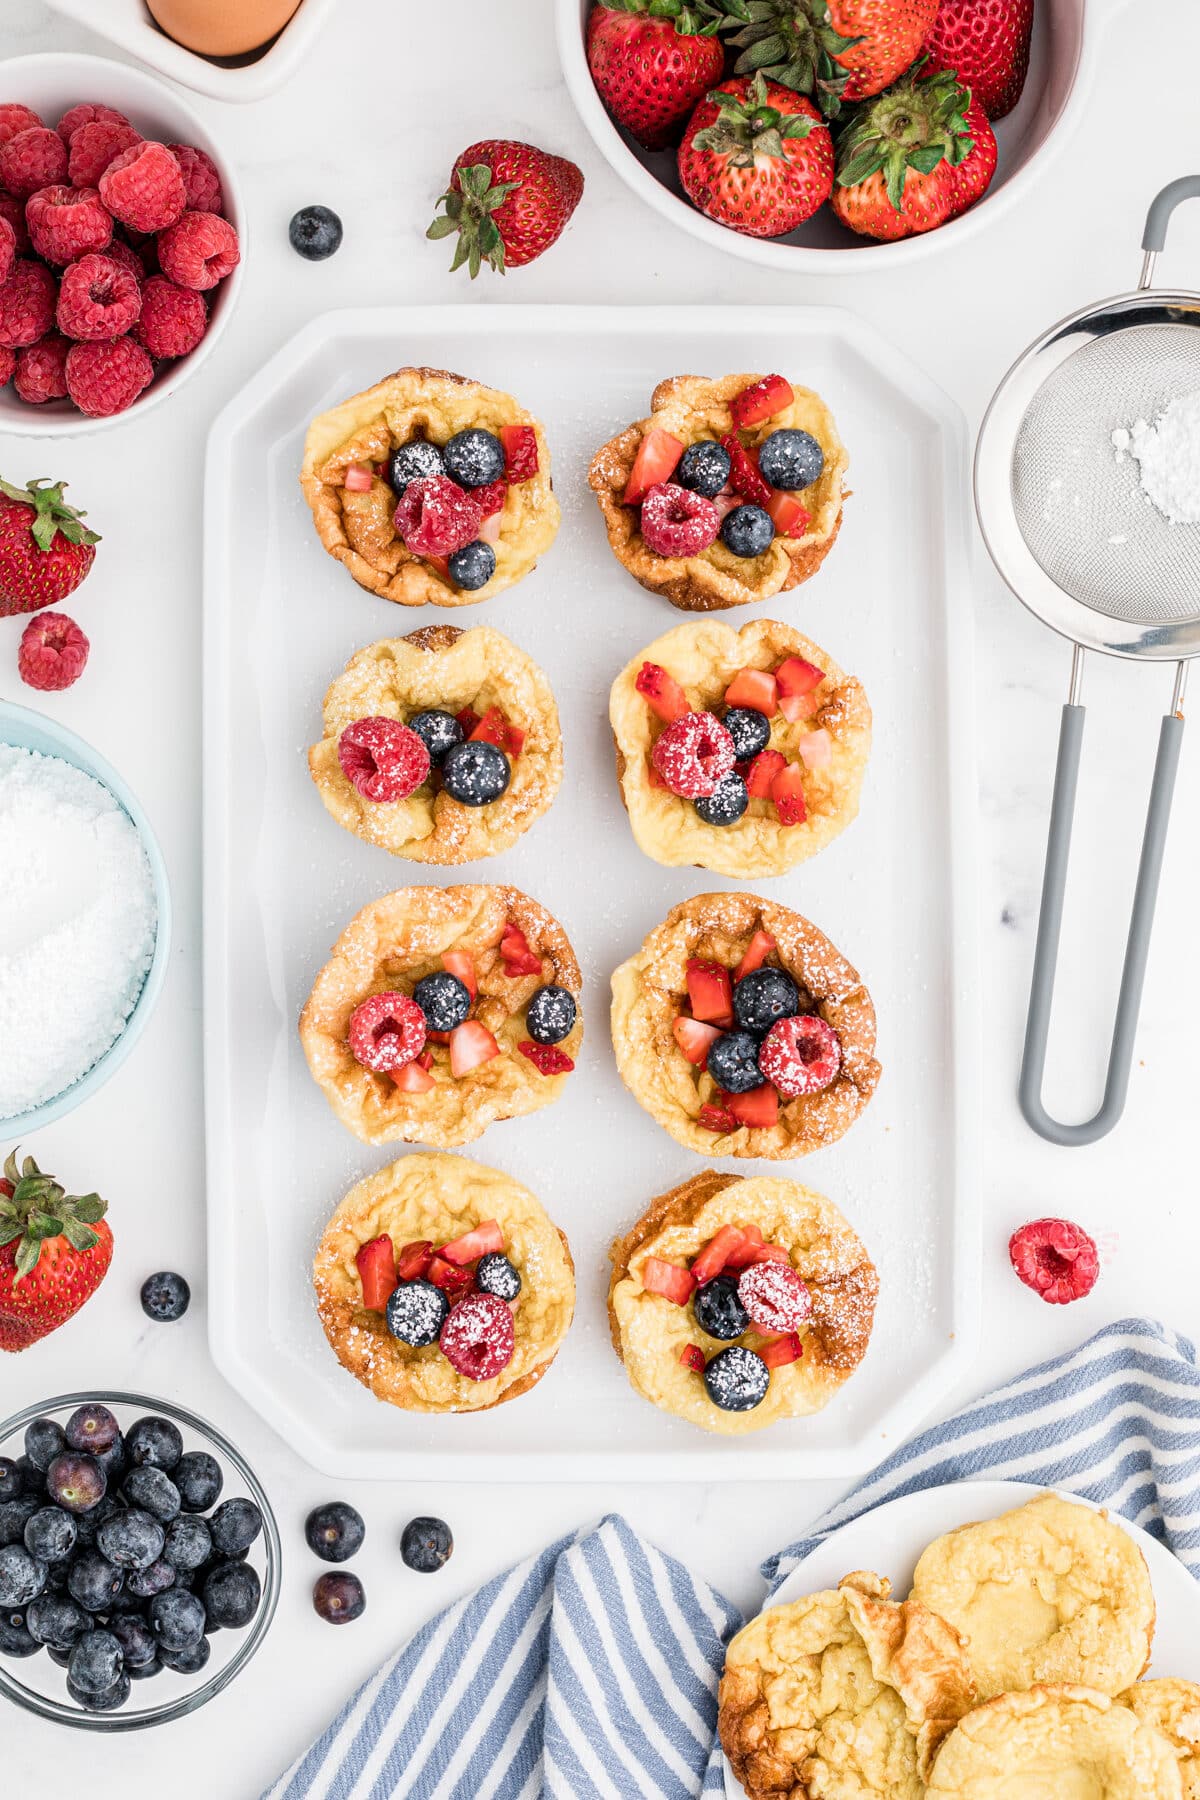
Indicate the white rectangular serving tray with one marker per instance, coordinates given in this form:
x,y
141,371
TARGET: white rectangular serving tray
x,y
895,892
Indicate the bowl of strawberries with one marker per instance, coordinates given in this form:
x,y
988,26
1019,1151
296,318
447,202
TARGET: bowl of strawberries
x,y
121,231
793,132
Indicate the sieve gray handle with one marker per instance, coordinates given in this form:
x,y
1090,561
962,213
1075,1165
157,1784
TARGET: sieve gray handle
x,y
1045,956
1163,205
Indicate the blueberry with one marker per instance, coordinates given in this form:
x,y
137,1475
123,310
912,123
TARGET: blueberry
x,y
188,1543
10,1480
144,1671
736,1379
186,1662
426,1545
334,1532
33,1479
444,999
703,467
57,1621
231,1594
44,1440
22,1577
59,1657
747,530
315,232
494,1274
16,1639
764,996
749,729
138,1643
153,1491
50,1534
113,1461
550,1015
197,1475
416,1312
234,1526
438,731
165,1297
143,1584
89,1523
474,458
92,1428
76,1481
727,802
339,1598
14,1516
414,461
131,1539
176,1619
790,459
718,1310
94,1582
96,1662
108,1701
473,566
154,1441
733,1062
476,773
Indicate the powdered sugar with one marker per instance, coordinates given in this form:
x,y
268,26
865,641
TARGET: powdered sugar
x,y
1167,453
77,925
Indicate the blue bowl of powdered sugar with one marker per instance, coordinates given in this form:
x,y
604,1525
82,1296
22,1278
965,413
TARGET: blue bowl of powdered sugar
x,y
85,921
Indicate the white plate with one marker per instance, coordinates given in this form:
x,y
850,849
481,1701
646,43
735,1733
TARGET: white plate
x,y
891,1538
281,879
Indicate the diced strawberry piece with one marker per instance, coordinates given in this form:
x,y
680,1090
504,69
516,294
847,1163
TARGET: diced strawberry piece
x,y
726,501
662,693
787,793
425,1060
762,401
744,477
520,452
816,749
486,1239
468,718
495,728
413,1079
462,964
771,1253
489,530
436,1037
716,1253
517,957
692,1357
758,950
745,1253
447,1275
795,676
548,1059
441,567
694,1038
414,1260
492,497
658,454
759,1108
788,516
762,772
756,689
782,1350
358,479
795,707
471,1044
668,1279
711,993
376,1264
716,1118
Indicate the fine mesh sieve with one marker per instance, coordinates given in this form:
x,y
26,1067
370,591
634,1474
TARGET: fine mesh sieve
x,y
1075,538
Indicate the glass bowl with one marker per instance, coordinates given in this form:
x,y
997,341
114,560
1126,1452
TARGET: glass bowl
x,y
44,1690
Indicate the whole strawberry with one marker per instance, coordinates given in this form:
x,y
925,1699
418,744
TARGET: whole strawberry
x,y
651,61
55,1249
45,548
986,43
757,157
835,50
914,158
508,202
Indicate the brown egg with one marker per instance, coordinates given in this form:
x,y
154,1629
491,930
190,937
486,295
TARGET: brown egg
x,y
221,27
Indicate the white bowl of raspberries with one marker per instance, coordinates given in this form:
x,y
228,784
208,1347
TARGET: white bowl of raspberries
x,y
120,243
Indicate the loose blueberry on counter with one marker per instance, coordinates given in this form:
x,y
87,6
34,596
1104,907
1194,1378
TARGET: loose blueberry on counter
x,y
474,458
749,729
473,566
198,1477
94,1582
234,1526
416,1312
704,468
334,1532
50,1534
727,802
414,461
76,1481
438,731
494,1274
131,1539
550,1015
762,997
790,459
176,1619
57,1621
185,1662
733,1062
155,1441
315,232
10,1480
444,999
188,1543
14,1516
92,1428
165,1297
96,1664
747,531
231,1594
426,1545
143,1584
476,773
736,1379
16,1639
718,1309
339,1598
44,1440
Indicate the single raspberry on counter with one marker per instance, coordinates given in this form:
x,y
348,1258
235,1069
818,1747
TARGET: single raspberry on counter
x,y
8,362
801,1055
198,251
694,754
478,1338
8,249
52,652
127,257
95,145
107,376
13,210
200,178
27,302
66,223
87,113
14,117
1055,1258
435,517
173,319
677,522
386,1031
97,299
31,159
41,372
144,187
775,1296
382,759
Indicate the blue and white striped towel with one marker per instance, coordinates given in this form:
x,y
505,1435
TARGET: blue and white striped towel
x,y
590,1672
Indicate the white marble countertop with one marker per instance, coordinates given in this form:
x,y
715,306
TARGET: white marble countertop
x,y
370,126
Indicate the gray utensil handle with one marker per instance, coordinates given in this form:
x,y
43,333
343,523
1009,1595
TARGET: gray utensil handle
x,y
1045,958
1163,205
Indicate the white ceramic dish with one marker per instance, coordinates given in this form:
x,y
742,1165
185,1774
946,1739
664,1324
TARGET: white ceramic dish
x,y
52,81
1066,41
281,879
128,25
891,1539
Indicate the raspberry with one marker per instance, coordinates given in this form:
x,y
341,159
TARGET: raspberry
x,y
382,759
87,114
127,257
173,319
31,159
26,303
42,370
52,652
8,362
385,1032
13,210
800,1055
774,1296
65,223
199,251
144,187
1055,1258
693,754
95,145
104,378
200,178
478,1337
14,117
97,299
677,522
547,1058
435,517
8,249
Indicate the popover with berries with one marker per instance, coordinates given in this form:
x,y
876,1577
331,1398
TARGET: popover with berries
x,y
442,1010
430,488
729,492
443,1286
740,751
441,747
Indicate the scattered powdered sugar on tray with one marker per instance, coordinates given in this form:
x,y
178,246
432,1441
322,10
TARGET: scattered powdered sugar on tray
x,y
1167,453
77,925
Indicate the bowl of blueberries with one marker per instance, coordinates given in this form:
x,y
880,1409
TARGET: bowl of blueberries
x,y
139,1561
